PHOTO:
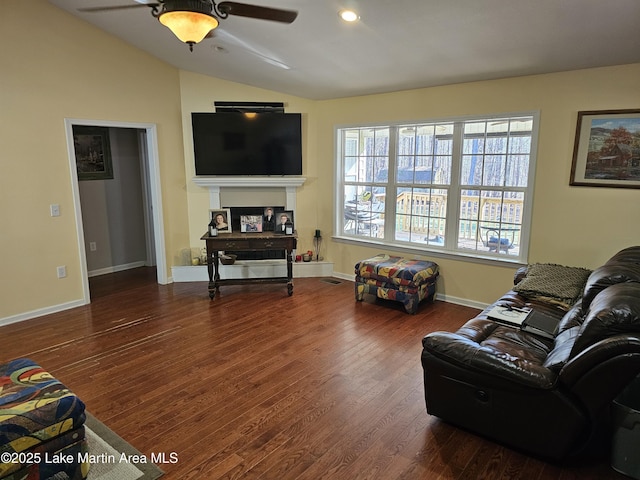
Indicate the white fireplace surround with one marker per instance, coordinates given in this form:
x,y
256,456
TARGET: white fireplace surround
x,y
251,192
254,191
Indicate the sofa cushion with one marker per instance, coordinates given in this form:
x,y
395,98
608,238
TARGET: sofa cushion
x,y
552,283
607,275
563,346
490,348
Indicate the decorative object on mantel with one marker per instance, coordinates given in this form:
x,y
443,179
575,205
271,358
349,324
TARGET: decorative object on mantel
x,y
192,20
213,231
607,149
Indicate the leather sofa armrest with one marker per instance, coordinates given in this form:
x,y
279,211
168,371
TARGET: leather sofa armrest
x,y
598,354
599,373
464,349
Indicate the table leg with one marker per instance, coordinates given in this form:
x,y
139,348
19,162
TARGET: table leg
x,y
214,286
290,272
210,270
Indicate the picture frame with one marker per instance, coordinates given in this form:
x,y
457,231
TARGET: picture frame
x,y
93,152
283,219
251,223
606,150
268,219
222,219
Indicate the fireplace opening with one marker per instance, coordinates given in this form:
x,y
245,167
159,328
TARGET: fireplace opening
x,y
236,213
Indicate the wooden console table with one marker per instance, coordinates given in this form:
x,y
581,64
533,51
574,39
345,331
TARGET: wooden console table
x,y
248,242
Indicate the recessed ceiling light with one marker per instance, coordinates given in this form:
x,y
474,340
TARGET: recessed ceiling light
x,y
348,15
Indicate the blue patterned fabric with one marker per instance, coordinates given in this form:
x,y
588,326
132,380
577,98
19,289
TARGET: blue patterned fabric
x,y
398,279
38,414
397,270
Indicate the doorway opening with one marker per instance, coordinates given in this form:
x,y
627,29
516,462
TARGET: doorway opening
x,y
150,198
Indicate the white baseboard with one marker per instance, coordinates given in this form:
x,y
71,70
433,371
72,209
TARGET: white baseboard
x,y
40,312
239,270
462,301
253,269
116,268
345,276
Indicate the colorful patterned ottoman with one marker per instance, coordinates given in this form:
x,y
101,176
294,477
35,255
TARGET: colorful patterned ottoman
x,y
41,426
397,278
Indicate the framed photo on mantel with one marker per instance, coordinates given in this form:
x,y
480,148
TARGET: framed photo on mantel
x,y
606,151
284,222
221,220
251,223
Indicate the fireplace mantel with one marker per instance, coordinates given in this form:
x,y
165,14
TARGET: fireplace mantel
x,y
252,268
289,181
214,184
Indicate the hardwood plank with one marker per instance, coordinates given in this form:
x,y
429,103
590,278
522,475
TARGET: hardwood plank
x,y
260,385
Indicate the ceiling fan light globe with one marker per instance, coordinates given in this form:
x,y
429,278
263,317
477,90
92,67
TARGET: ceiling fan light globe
x,y
189,27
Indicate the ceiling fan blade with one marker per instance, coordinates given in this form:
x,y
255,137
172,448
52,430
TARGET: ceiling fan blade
x,y
255,11
117,7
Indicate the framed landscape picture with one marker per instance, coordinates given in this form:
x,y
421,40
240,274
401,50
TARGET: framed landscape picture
x,y
606,151
93,152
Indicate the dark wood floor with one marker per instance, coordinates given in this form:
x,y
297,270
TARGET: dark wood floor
x,y
257,384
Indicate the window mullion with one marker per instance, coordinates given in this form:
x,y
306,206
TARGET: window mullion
x,y
392,188
453,205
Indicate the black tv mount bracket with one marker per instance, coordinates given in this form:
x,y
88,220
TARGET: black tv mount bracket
x,y
244,107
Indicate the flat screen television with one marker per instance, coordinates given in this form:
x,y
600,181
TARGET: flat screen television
x,y
233,143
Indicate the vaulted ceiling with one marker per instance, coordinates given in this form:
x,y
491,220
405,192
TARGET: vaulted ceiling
x,y
395,45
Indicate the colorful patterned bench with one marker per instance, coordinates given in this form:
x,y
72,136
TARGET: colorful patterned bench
x,y
397,278
41,425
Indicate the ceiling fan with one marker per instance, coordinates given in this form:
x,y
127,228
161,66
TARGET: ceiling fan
x,y
192,20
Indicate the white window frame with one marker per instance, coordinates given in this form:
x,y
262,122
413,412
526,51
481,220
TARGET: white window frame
x,y
450,248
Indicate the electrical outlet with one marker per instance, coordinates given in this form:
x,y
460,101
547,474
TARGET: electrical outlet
x,y
62,271
92,246
55,209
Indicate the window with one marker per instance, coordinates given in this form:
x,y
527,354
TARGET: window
x,y
461,186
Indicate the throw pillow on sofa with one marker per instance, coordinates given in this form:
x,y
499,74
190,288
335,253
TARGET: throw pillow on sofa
x,y
552,283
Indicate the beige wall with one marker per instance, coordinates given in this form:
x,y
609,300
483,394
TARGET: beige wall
x,y
580,226
58,67
73,70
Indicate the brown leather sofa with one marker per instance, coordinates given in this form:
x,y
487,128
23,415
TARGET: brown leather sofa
x,y
547,397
